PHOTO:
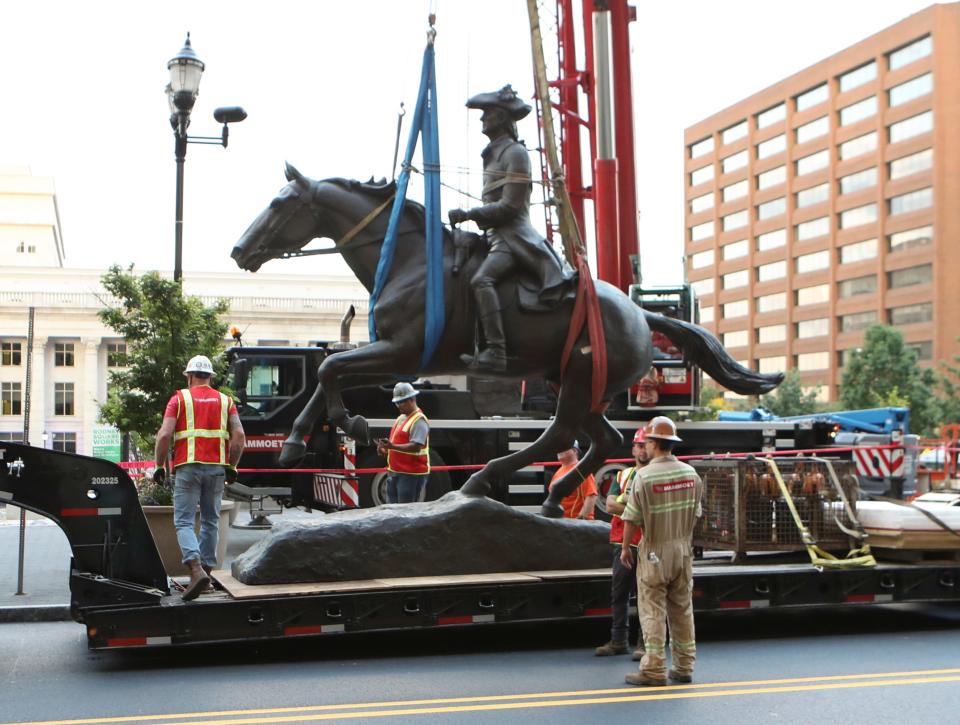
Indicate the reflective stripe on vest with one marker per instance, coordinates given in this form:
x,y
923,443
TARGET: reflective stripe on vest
x,y
418,463
185,441
616,523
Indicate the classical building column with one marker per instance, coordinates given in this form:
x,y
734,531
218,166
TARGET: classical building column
x,y
87,404
38,391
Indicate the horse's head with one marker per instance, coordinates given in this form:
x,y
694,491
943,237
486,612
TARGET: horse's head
x,y
285,226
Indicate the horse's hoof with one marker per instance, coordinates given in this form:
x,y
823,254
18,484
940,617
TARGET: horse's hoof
x,y
357,428
292,453
551,510
476,485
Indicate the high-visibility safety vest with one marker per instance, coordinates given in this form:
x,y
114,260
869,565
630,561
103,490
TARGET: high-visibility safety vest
x,y
416,463
201,434
625,478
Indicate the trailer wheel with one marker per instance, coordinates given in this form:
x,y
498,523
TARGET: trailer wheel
x,y
605,478
373,486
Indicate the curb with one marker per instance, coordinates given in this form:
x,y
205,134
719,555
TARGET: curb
x,y
36,613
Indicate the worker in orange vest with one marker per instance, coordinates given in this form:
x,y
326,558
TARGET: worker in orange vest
x,y
208,441
580,504
407,450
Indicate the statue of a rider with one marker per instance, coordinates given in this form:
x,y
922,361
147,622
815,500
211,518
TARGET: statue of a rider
x,y
516,249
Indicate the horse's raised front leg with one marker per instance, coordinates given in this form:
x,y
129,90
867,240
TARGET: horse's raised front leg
x,y
295,446
604,439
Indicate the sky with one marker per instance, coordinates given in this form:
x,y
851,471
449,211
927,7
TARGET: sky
x,y
323,81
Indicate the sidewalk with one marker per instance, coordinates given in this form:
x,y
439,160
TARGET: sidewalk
x,y
46,583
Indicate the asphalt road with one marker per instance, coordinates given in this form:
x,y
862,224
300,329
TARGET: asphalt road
x,y
862,665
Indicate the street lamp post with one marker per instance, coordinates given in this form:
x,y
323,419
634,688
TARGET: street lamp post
x,y
185,72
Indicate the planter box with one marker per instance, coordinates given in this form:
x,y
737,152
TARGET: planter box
x,y
160,521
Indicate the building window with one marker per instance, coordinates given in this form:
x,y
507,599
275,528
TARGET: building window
x,y
703,286
7,436
860,180
910,127
813,195
911,314
734,162
771,333
813,361
912,201
772,302
772,208
739,308
818,294
819,327
116,354
21,248
11,399
772,115
63,399
701,203
919,237
701,175
813,262
734,221
858,111
735,191
10,353
857,321
857,286
858,215
774,270
812,130
701,231
773,177
772,364
921,274
737,338
702,259
909,53
63,354
909,90
66,442
858,146
738,131
813,228
813,97
923,350
813,162
867,249
771,240
734,250
736,279
702,147
858,76
771,146
706,314
912,164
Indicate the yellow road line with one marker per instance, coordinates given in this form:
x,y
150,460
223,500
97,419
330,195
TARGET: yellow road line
x,y
659,693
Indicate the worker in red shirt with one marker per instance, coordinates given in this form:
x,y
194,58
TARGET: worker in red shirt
x,y
581,503
623,582
208,441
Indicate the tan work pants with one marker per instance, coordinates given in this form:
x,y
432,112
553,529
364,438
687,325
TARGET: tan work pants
x,y
665,594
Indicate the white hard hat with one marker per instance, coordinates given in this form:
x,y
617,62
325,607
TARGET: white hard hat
x,y
199,364
403,391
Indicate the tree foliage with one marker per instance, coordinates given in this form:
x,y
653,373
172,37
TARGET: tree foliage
x,y
163,329
949,401
711,403
789,397
885,373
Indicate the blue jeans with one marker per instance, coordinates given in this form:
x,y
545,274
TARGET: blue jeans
x,y
198,483
404,487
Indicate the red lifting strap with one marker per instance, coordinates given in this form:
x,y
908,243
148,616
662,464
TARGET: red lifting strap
x,y
587,308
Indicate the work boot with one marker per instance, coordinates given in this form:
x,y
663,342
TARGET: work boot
x,y
494,357
214,584
198,581
641,680
638,653
679,677
611,648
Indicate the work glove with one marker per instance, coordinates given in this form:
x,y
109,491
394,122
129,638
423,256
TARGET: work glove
x,y
457,215
160,476
230,474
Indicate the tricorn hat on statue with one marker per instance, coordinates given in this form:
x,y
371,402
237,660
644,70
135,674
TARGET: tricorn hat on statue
x,y
506,98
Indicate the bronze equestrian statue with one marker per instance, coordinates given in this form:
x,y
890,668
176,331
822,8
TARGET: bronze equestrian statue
x,y
515,249
346,211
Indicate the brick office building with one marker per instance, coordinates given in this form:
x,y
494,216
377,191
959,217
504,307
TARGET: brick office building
x,y
828,202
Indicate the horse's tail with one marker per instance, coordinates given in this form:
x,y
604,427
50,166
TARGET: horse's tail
x,y
706,351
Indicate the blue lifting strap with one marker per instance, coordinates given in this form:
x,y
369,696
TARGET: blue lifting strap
x,y
424,121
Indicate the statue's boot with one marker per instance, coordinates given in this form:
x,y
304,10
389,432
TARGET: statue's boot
x,y
494,357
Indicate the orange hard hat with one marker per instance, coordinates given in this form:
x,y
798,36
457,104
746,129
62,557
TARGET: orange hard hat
x,y
662,428
640,436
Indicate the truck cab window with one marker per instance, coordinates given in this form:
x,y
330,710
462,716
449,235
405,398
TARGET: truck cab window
x,y
272,382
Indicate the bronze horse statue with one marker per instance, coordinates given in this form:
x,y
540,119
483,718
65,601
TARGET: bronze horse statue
x,y
347,212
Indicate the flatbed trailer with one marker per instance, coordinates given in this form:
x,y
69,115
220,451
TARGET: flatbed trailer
x,y
121,592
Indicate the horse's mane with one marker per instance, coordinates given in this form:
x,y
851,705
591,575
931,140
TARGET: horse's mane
x,y
383,189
